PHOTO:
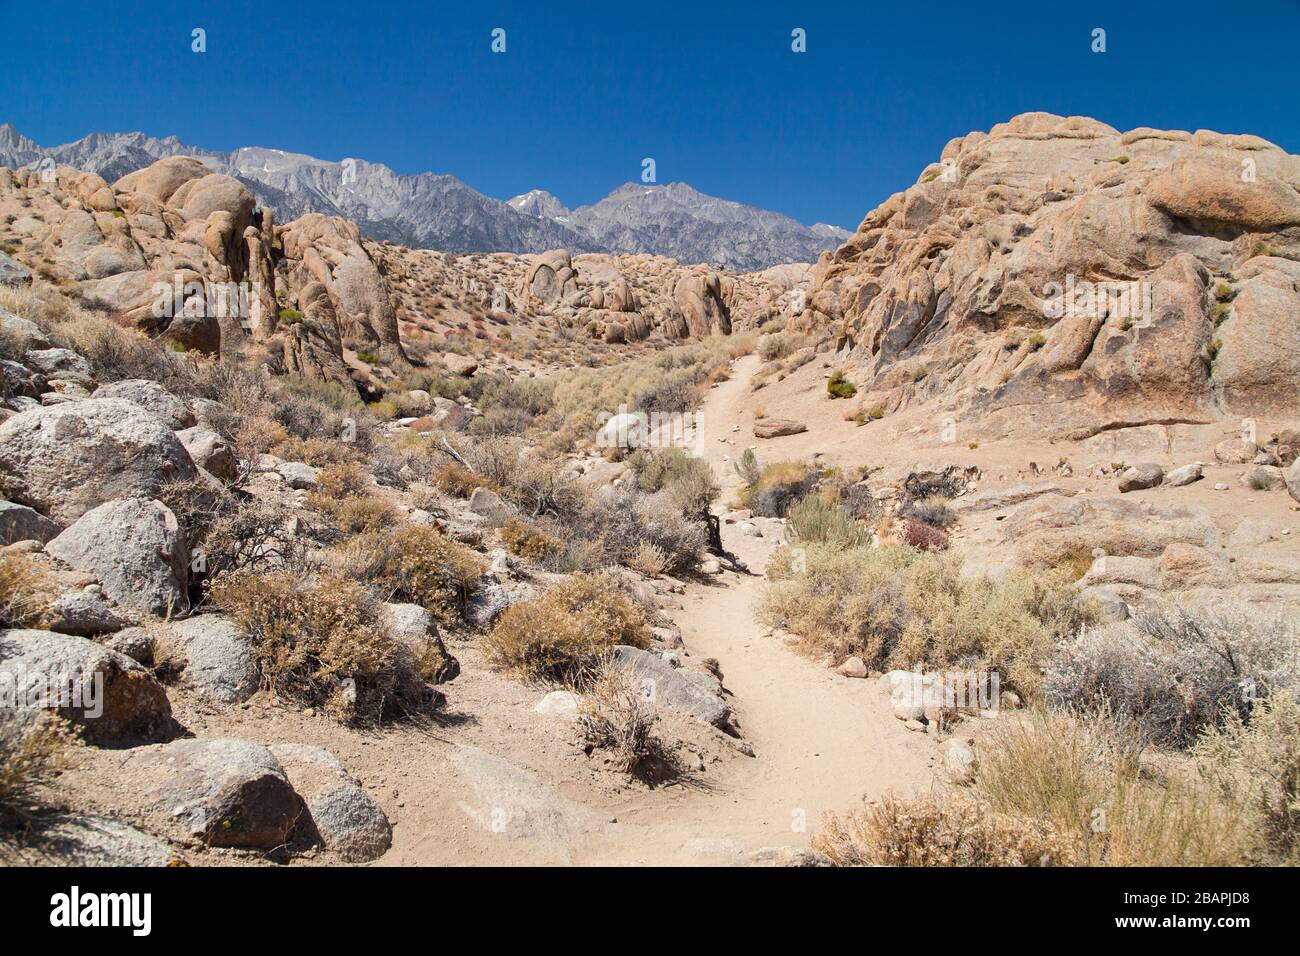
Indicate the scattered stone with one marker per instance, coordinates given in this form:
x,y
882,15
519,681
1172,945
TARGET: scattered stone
x,y
218,791
346,819
210,452
1235,451
65,460
777,427
853,667
20,523
1264,478
218,658
558,703
84,612
685,691
88,840
1184,475
298,474
152,397
1140,477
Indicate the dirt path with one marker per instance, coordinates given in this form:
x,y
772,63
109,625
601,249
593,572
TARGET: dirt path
x,y
822,742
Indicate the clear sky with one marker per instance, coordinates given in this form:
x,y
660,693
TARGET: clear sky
x,y
711,90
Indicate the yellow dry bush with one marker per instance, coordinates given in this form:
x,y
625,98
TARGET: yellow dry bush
x,y
418,564
24,592
563,634
34,747
525,541
319,643
931,831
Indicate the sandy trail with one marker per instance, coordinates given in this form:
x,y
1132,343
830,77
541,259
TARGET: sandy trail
x,y
822,742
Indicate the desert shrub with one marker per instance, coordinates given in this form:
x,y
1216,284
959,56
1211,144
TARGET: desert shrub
x,y
931,831
532,480
418,564
241,534
1091,780
1255,765
747,467
933,511
813,521
25,592
317,452
615,715
923,536
318,643
343,495
780,485
898,606
526,541
837,386
684,478
858,502
457,480
565,633
34,747
670,396
650,559
623,520
119,353
1174,671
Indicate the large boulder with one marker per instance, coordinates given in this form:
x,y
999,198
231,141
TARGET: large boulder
x,y
20,523
414,628
688,692
210,452
1293,479
111,698
13,273
777,427
67,459
345,818
219,660
137,551
152,397
215,791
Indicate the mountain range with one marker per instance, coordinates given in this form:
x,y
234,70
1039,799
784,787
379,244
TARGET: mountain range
x,y
435,211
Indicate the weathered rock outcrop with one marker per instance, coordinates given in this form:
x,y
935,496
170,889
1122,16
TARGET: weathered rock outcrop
x,y
1102,278
66,459
137,551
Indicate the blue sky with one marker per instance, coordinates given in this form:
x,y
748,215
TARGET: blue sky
x,y
585,91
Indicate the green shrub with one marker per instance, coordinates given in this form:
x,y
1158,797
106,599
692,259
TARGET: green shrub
x,y
838,387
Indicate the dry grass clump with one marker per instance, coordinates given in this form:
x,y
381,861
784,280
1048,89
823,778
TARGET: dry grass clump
x,y
1175,671
34,747
527,541
24,592
319,643
564,634
416,564
1052,790
898,607
1255,765
343,493
779,487
815,521
686,480
650,559
1092,778
615,714
929,831
457,480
